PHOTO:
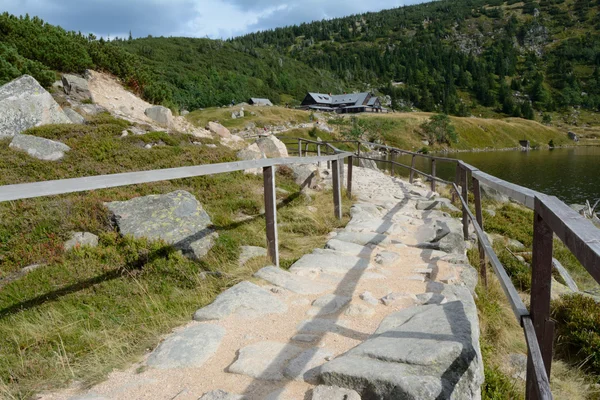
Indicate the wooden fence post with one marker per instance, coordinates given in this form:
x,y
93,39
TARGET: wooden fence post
x,y
271,214
465,195
392,156
337,194
541,284
319,154
349,184
479,217
412,169
299,147
457,181
433,175
306,149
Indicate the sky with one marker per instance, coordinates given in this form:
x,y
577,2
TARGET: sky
x,y
193,18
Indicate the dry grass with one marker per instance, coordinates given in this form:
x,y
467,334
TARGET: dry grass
x,y
88,311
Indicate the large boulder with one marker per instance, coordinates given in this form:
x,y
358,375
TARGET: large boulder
x,y
76,87
307,175
160,114
177,218
218,129
74,116
492,194
425,352
25,104
40,148
272,147
252,152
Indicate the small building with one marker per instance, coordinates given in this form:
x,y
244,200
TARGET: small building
x,y
255,101
343,103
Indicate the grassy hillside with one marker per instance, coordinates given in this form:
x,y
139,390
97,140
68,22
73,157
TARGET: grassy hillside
x,y
88,311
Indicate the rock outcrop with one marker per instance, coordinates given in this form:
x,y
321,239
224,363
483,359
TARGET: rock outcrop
x,y
74,116
177,218
79,239
40,148
25,104
252,152
218,129
76,87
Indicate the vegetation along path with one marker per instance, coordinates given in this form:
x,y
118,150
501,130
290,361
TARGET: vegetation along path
x,y
384,310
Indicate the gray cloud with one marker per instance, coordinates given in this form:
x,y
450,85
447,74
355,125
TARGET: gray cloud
x,y
198,18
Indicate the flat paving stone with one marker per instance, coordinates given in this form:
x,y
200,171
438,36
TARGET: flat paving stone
x,y
328,304
246,299
319,325
351,249
264,360
359,310
291,282
189,348
363,238
307,366
329,263
305,338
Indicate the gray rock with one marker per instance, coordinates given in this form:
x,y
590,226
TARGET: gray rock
x,y
246,299
160,114
74,116
221,395
219,130
359,310
291,282
76,87
452,243
264,360
189,348
177,218
387,258
307,366
515,244
348,248
40,148
426,352
372,225
272,147
251,152
329,263
429,205
320,325
328,304
369,298
250,252
492,194
363,238
431,298
305,338
393,297
323,392
91,109
306,176
79,239
25,104
184,113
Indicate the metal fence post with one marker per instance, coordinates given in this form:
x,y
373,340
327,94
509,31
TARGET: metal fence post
x,y
465,195
337,194
271,214
541,284
479,217
433,175
349,184
412,169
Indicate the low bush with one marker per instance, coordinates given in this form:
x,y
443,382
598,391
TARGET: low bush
x,y
578,330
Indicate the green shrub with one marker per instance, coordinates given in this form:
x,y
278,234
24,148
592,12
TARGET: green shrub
x,y
578,330
439,129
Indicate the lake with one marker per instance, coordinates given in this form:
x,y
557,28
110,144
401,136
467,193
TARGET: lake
x,y
571,174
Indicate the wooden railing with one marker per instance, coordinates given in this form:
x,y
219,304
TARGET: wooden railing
x,y
65,186
551,217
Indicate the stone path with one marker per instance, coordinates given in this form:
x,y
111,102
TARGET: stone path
x,y
380,313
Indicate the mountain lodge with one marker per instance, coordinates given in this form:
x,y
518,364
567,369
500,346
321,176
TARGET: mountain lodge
x,y
343,103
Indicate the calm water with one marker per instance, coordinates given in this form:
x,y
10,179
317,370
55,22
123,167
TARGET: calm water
x,y
572,174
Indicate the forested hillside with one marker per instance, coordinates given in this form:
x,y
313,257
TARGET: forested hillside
x,y
453,55
462,57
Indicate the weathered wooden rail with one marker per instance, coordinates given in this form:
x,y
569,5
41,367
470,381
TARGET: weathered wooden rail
x,y
65,186
551,217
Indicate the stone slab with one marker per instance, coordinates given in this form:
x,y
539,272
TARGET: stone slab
x,y
328,263
291,282
264,360
40,148
245,299
307,366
